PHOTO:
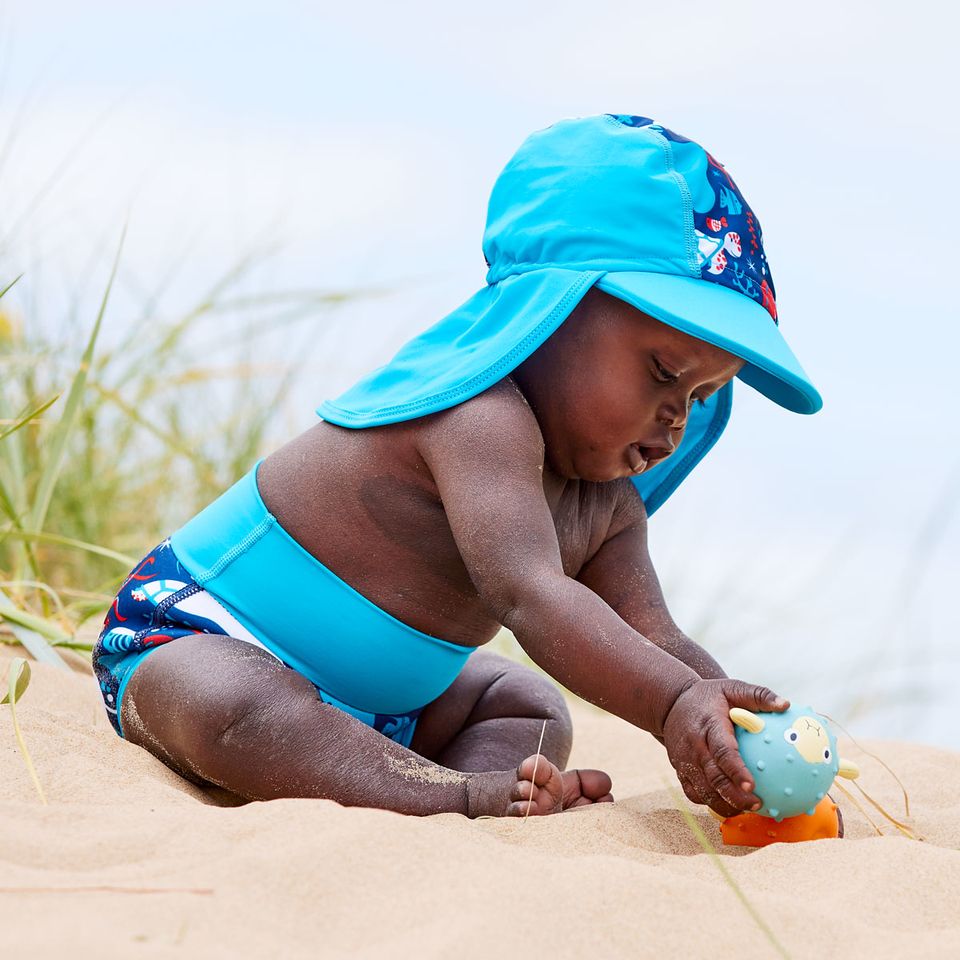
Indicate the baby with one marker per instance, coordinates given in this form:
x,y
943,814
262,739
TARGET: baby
x,y
314,631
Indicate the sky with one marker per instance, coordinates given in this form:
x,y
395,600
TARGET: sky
x,y
353,147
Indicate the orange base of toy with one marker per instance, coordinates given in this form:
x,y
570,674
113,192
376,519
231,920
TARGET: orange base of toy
x,y
752,830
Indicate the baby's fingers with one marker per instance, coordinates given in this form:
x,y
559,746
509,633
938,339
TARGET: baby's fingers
x,y
750,696
696,782
723,797
725,770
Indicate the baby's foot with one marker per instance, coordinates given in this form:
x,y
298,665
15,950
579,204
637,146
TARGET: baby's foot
x,y
584,787
542,788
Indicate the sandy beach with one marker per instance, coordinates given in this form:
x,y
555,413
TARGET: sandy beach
x,y
129,860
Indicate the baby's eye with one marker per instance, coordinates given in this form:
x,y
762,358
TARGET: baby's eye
x,y
663,374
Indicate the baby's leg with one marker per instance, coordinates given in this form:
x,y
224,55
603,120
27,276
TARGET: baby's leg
x,y
228,713
491,718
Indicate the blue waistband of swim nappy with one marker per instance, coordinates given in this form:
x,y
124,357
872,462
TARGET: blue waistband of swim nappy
x,y
305,614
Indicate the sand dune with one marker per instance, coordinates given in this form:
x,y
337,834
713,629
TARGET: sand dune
x,y
129,860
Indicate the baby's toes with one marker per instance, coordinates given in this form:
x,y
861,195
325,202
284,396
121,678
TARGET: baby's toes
x,y
538,790
583,787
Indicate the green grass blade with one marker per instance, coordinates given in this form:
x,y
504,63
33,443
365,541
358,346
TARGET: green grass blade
x,y
6,289
27,417
35,644
84,646
54,538
169,338
61,433
38,587
7,507
170,439
6,503
31,621
18,678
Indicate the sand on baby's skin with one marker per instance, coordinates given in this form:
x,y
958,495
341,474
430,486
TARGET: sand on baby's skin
x,y
413,769
129,860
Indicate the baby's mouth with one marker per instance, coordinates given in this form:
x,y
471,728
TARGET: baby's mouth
x,y
640,457
637,458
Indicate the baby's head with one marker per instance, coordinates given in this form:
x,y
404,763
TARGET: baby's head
x,y
683,299
627,284
612,388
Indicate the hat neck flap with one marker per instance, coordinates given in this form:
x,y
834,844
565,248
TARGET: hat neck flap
x,y
479,344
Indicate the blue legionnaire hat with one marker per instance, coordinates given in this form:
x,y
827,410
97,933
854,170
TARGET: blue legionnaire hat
x,y
624,204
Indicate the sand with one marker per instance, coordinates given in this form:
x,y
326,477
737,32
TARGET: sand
x,y
130,860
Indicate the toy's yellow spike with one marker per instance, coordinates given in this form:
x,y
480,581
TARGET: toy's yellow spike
x,y
744,718
715,815
848,769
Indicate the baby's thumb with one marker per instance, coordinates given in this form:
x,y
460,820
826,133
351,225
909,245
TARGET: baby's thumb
x,y
753,697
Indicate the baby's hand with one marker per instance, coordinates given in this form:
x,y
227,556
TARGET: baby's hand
x,y
702,747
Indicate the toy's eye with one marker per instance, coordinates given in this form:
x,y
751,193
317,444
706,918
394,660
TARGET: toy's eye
x,y
791,736
826,753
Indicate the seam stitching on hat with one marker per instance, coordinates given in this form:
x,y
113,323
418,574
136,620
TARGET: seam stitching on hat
x,y
609,266
686,201
587,279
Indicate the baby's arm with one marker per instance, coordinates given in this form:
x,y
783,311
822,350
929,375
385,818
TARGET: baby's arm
x,y
622,573
486,457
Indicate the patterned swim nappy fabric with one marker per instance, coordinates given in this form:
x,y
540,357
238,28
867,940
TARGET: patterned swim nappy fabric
x,y
159,602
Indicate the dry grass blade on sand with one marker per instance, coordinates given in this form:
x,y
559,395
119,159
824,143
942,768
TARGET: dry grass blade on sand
x,y
711,851
18,679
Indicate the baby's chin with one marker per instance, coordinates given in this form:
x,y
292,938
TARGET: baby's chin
x,y
623,468
566,465
591,469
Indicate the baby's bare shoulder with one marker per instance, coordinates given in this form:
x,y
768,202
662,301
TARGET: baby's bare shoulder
x,y
498,421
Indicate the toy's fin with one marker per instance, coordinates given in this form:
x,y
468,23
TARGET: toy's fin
x,y
744,718
848,770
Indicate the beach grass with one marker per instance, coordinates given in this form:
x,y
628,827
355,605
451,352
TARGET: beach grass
x,y
107,444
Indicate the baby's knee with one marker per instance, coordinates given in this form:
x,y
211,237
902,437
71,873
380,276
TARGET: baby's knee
x,y
550,702
520,691
544,701
191,696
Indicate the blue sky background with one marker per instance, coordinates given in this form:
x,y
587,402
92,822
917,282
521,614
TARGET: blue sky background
x,y
359,143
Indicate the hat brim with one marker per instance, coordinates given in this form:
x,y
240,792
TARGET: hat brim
x,y
727,319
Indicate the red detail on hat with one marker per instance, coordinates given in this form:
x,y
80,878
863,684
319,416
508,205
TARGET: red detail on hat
x,y
722,169
768,300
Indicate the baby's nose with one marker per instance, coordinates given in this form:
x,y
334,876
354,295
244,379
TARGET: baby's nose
x,y
675,419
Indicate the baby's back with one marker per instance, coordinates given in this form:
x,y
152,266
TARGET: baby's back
x,y
364,503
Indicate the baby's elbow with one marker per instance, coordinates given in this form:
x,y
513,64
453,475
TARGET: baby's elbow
x,y
526,601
